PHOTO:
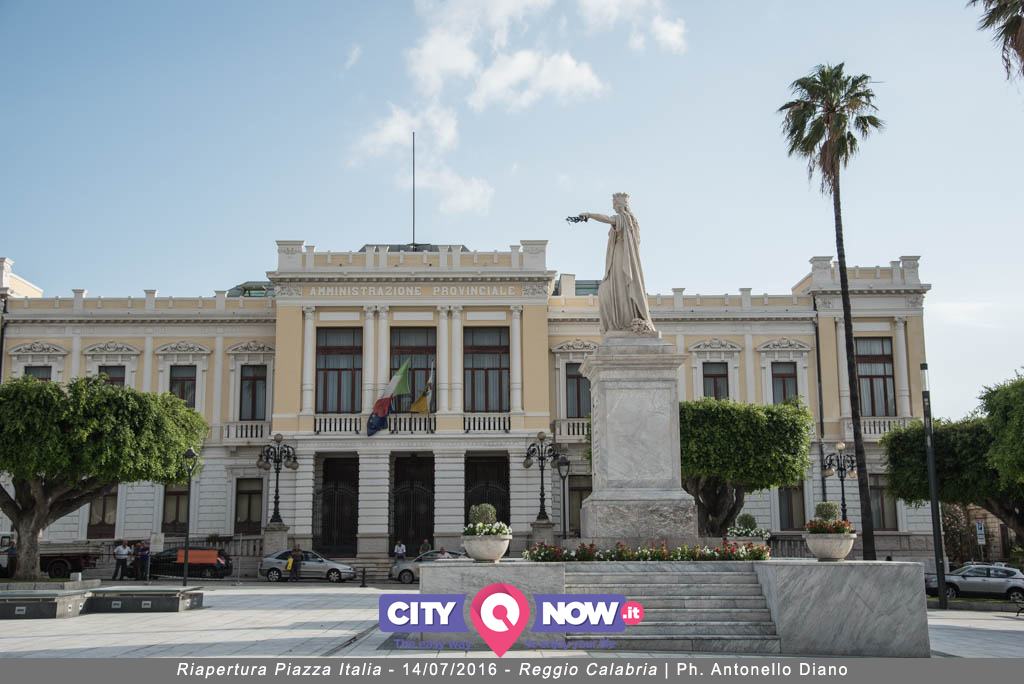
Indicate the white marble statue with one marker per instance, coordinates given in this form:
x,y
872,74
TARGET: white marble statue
x,y
622,298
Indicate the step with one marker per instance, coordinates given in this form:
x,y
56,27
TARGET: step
x,y
659,578
656,567
701,602
702,589
656,613
676,628
689,644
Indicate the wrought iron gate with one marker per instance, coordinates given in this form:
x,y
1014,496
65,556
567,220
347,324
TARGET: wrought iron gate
x,y
412,501
339,508
487,482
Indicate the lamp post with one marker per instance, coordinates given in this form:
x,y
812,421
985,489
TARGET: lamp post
x,y
844,466
191,461
275,456
563,472
542,451
933,488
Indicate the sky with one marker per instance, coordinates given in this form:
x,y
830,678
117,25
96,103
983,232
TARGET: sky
x,y
167,145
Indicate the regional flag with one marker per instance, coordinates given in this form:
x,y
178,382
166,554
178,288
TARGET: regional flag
x,y
422,404
398,386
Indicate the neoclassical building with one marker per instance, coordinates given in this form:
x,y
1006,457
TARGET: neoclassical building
x,y
306,351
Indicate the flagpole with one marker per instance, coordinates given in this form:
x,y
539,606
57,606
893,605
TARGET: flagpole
x,y
414,189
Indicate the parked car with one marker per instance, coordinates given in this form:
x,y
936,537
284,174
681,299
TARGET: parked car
x,y
981,580
314,566
408,571
202,562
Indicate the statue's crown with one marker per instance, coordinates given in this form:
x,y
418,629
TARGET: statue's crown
x,y
624,196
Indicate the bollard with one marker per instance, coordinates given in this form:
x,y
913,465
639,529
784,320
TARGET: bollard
x,y
362,584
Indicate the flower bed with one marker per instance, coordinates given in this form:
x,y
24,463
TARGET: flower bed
x,y
819,526
482,529
542,552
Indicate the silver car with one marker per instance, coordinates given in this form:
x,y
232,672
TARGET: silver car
x,y
408,571
981,580
314,566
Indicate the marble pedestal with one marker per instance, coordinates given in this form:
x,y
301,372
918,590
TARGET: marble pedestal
x,y
637,488
275,537
543,532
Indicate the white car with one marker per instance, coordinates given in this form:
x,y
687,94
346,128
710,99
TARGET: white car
x,y
408,571
314,566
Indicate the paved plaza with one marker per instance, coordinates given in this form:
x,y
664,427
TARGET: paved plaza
x,y
319,619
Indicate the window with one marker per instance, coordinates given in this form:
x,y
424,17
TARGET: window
x,y
419,345
883,504
577,392
112,375
783,381
874,371
103,515
248,505
716,380
39,372
486,369
254,393
175,509
791,507
183,384
339,370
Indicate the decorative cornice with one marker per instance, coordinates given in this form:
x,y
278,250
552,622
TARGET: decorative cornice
x,y
575,345
715,344
183,347
251,347
39,348
784,344
111,347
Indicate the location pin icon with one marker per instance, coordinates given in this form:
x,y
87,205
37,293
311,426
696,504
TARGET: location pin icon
x,y
500,613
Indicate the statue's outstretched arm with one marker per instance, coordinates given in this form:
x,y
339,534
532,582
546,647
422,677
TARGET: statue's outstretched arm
x,y
599,217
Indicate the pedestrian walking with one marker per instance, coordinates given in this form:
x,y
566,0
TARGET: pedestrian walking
x,y
399,550
122,553
424,547
296,564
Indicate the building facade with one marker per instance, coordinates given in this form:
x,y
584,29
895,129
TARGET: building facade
x,y
307,351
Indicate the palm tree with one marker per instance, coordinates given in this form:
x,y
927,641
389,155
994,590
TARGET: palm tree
x,y
822,123
1006,18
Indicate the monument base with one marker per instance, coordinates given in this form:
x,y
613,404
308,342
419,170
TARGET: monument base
x,y
275,538
543,532
641,517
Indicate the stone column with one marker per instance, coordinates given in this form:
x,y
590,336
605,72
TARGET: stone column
x,y
218,384
443,352
456,344
637,487
515,348
899,358
449,498
374,490
76,355
368,358
147,363
308,358
748,362
383,348
844,375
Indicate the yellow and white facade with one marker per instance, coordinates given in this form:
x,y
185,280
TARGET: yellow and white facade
x,y
306,353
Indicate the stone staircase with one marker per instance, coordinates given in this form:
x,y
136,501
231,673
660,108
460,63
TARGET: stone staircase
x,y
376,569
703,607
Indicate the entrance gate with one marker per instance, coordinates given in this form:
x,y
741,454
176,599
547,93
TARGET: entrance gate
x,y
412,501
339,507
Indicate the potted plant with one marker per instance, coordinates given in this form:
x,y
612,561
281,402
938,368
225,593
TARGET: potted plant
x,y
828,537
746,531
485,539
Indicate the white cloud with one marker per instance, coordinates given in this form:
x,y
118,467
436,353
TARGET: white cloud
x,y
518,80
440,55
637,41
458,194
669,33
604,14
354,53
394,131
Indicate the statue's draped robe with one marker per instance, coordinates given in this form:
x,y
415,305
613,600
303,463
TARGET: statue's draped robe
x,y
622,297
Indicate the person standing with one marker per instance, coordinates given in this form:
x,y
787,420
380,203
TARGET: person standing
x,y
424,547
296,564
142,561
399,550
122,552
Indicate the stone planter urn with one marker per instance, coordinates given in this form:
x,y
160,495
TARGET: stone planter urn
x,y
486,548
830,547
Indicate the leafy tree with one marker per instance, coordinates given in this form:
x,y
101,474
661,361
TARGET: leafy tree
x,y
822,123
729,449
1004,404
1006,18
61,445
966,471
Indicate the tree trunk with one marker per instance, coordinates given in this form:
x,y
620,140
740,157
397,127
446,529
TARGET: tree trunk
x,y
867,527
1010,512
718,505
27,563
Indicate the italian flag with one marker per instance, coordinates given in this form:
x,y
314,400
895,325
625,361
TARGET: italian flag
x,y
398,386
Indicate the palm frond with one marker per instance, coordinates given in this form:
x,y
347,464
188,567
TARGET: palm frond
x,y
1006,19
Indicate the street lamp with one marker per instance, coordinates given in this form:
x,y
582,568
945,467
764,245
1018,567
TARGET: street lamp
x,y
843,465
542,451
274,456
933,487
191,461
563,472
